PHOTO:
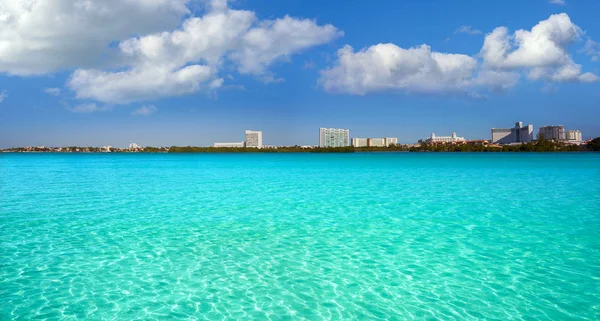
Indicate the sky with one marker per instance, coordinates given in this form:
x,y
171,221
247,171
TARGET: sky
x,y
196,72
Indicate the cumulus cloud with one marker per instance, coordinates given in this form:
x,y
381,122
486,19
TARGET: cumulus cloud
x,y
561,2
40,36
189,59
3,95
278,39
468,30
542,52
52,91
387,67
146,110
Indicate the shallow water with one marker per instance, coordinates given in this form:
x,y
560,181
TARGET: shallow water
x,y
382,236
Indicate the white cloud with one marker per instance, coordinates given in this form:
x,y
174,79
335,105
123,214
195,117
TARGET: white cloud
x,y
497,80
542,52
189,59
592,49
142,83
468,30
40,36
387,67
278,39
3,95
146,110
52,91
561,2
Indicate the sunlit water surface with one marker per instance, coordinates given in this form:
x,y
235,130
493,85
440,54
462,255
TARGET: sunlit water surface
x,y
380,236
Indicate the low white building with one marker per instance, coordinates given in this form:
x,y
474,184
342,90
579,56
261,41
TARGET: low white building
x,y
360,142
134,146
374,142
444,139
230,145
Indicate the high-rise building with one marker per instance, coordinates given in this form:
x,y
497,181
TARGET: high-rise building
x,y
254,139
574,136
518,134
556,133
444,139
334,137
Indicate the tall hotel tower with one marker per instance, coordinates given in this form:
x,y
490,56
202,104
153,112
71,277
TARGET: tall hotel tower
x,y
334,137
254,139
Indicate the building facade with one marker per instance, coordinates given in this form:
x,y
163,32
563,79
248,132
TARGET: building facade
x,y
374,142
518,134
334,137
230,145
254,139
574,136
444,139
556,133
360,142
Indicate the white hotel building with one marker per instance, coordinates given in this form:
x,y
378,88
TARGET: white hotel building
x,y
254,139
444,139
518,134
574,136
334,137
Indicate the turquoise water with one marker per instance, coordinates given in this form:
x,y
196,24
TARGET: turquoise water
x,y
377,236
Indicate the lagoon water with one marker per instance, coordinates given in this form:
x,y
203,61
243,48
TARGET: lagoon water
x,y
380,236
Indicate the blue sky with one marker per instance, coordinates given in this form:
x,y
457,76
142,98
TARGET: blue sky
x,y
197,72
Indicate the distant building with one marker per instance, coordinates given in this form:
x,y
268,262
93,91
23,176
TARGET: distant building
x,y
254,139
518,134
444,139
374,142
360,142
230,145
574,136
134,146
556,133
105,148
333,137
391,141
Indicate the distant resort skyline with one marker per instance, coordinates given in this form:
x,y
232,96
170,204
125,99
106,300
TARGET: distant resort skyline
x,y
342,137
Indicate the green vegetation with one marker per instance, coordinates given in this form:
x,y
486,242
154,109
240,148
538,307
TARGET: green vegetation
x,y
287,149
539,145
594,145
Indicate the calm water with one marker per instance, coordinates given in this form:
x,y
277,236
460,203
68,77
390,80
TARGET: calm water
x,y
299,236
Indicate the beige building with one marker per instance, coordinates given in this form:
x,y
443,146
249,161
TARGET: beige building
x,y
574,136
374,142
556,133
